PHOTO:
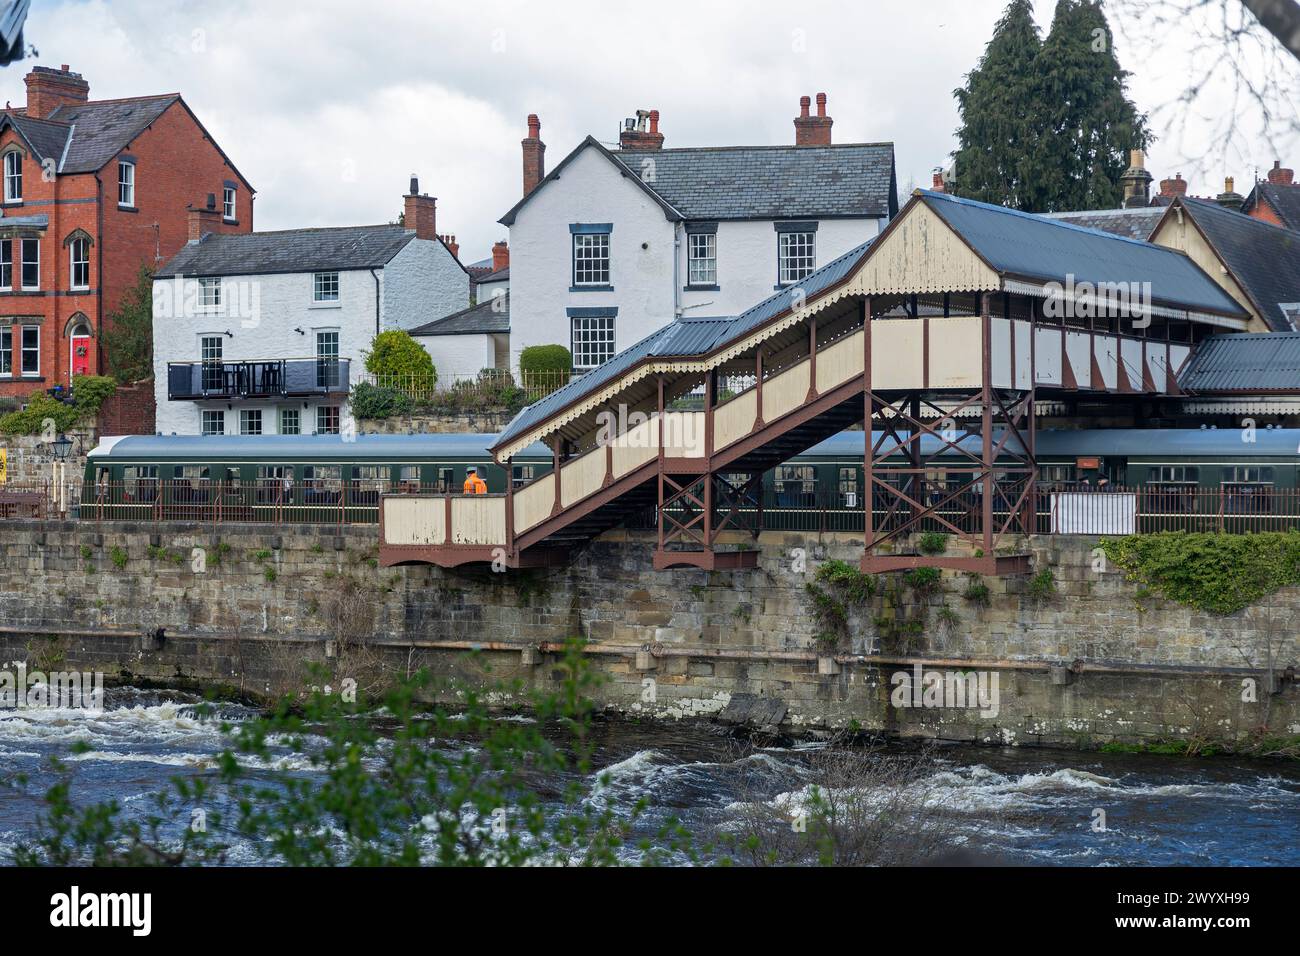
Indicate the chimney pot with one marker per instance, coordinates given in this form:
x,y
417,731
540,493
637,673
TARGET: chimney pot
x,y
804,103
420,213
1136,181
639,137
813,130
821,104
500,256
1279,175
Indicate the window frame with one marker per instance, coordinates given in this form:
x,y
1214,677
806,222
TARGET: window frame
x,y
22,266
589,241
297,421
229,203
24,348
11,177
126,184
6,265
323,413
218,415
207,284
785,275
74,262
250,419
320,295
6,351
590,327
708,277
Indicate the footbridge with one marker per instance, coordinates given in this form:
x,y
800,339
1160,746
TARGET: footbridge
x,y
949,326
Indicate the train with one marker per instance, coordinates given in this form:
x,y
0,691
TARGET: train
x,y
331,479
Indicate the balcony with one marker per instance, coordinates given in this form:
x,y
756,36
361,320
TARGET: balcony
x,y
272,378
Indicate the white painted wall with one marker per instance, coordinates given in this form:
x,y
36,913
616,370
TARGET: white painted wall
x,y
423,282
591,190
459,356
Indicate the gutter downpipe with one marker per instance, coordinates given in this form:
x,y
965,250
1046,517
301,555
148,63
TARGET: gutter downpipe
x,y
677,270
374,275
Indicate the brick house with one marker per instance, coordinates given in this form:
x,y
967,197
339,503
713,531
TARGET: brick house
x,y
1276,199
92,190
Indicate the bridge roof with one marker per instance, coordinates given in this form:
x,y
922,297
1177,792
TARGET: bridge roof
x,y
270,448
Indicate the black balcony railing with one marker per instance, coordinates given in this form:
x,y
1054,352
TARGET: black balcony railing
x,y
268,378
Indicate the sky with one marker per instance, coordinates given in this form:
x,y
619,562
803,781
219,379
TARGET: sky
x,y
327,107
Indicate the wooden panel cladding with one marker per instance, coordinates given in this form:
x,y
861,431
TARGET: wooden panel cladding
x,y
412,520
897,352
839,362
637,446
735,420
920,253
683,434
582,476
533,503
954,353
479,519
784,393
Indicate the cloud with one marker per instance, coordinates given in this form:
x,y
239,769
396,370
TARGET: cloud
x,y
328,107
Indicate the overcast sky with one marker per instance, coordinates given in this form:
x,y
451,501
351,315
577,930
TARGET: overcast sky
x,y
328,106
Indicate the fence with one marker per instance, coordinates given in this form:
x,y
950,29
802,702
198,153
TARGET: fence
x,y
796,507
488,387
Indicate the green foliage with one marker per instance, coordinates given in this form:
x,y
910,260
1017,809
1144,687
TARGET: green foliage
x,y
87,552
118,556
1219,573
856,587
376,401
1042,585
948,617
544,359
395,353
977,592
384,793
270,574
1046,125
89,392
127,335
923,581
828,610
40,407
933,542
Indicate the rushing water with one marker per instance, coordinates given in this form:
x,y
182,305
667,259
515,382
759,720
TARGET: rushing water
x,y
1016,805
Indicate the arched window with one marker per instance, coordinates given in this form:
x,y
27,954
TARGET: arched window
x,y
13,176
79,262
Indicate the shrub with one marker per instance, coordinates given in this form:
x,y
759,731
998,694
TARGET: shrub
x,y
856,587
546,361
39,407
923,580
977,592
376,401
90,391
395,353
933,542
1043,584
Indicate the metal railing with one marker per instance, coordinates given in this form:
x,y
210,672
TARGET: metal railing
x,y
488,387
1060,509
261,378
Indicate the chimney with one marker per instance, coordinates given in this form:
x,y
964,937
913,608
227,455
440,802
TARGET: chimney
x,y
203,221
452,245
1279,176
636,135
48,89
534,155
421,212
1229,198
938,185
1136,181
500,256
813,130
1172,188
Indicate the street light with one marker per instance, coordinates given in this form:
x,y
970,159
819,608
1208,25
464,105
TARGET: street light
x,y
62,447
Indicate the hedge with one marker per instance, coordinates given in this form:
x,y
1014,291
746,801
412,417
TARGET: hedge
x,y
546,359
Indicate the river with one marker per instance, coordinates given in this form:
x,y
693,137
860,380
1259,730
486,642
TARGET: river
x,y
1013,805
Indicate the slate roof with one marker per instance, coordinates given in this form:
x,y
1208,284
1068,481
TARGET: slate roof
x,y
1072,443
486,318
1129,223
501,275
1285,201
82,137
340,249
1245,362
1264,258
852,180
1027,245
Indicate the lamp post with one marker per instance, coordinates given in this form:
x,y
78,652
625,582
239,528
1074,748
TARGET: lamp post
x,y
61,447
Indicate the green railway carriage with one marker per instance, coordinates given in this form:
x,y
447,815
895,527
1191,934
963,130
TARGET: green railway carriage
x,y
325,479
290,478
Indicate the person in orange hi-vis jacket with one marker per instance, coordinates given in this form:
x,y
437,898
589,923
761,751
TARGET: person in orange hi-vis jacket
x,y
474,485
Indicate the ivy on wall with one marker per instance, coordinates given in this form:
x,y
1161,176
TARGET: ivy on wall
x,y
1218,573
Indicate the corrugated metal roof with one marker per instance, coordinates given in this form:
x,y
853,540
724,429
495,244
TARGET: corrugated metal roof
x,y
303,447
1024,244
683,338
1244,363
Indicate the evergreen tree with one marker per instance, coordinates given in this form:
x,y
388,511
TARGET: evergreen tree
x,y
127,336
1047,125
996,158
1091,123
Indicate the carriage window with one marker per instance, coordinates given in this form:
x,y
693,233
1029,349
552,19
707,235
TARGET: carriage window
x,y
849,486
195,475
800,478
410,478
1248,475
446,479
140,481
522,474
274,483
1056,474
1175,475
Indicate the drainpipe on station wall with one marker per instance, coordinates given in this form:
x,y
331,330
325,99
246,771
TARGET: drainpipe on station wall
x,y
677,266
374,275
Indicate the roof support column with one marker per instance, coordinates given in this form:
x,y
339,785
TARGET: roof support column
x,y
986,409
556,441
812,358
868,416
758,387
510,507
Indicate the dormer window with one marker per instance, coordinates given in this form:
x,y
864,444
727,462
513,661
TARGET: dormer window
x,y
228,204
13,176
126,185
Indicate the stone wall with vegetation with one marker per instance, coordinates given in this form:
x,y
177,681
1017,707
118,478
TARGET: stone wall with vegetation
x,y
486,421
1082,656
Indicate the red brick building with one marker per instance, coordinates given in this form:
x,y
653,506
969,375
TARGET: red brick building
x,y
1276,199
89,191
